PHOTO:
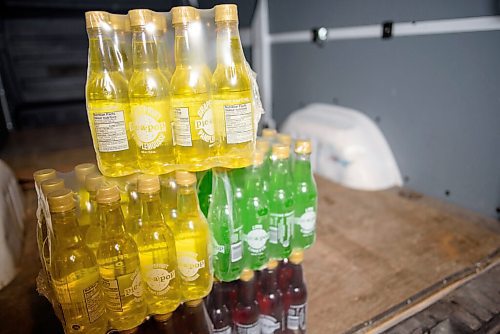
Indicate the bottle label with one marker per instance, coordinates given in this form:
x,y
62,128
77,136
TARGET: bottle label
x,y
256,239
202,125
307,221
239,123
248,329
224,330
123,286
182,128
93,301
236,251
189,265
150,126
280,229
268,324
158,278
111,131
296,317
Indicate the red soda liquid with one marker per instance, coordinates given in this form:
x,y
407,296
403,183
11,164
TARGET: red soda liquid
x,y
271,301
295,298
246,312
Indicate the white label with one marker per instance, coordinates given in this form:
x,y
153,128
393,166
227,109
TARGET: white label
x,y
239,127
182,127
149,130
112,295
205,125
224,330
111,131
93,302
189,265
273,234
307,221
158,278
248,329
296,317
236,251
257,238
282,223
268,324
136,288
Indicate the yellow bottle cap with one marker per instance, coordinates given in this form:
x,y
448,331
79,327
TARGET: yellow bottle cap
x,y
281,151
82,170
44,174
160,22
61,200
269,133
140,17
184,178
108,193
193,303
93,181
263,145
184,14
272,264
147,184
258,158
119,22
227,12
51,185
96,19
285,139
303,146
246,275
296,257
162,317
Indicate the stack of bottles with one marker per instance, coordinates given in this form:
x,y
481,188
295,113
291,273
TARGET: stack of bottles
x,y
262,212
270,301
107,268
169,91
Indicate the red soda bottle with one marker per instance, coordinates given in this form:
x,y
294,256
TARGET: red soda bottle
x,y
295,299
218,311
191,318
246,312
271,301
284,275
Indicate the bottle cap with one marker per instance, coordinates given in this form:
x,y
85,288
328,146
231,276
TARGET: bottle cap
x,y
193,303
119,22
82,170
61,200
51,185
285,139
147,184
184,14
246,275
93,181
140,17
258,158
96,19
160,22
281,151
263,145
44,174
303,146
228,12
162,317
184,178
272,264
296,257
269,133
108,193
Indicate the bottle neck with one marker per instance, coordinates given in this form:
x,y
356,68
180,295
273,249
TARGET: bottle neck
x,y
218,296
247,292
145,54
102,57
297,278
112,219
168,194
187,201
253,181
229,50
186,51
279,173
93,211
302,166
151,209
65,226
269,280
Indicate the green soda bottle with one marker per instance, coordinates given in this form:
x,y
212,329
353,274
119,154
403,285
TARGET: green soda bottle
x,y
205,190
255,214
264,146
306,197
227,246
281,205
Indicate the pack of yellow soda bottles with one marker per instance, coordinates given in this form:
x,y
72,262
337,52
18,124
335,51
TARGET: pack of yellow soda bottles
x,y
117,250
170,91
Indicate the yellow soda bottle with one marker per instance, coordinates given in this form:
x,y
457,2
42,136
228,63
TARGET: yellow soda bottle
x,y
81,172
122,43
107,101
160,22
75,274
157,253
149,98
93,234
192,239
168,196
118,260
190,86
232,93
133,222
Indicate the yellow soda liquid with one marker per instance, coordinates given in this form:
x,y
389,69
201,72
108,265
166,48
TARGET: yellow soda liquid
x,y
81,172
118,259
168,196
75,275
190,85
232,93
157,253
108,109
192,240
94,231
149,98
122,43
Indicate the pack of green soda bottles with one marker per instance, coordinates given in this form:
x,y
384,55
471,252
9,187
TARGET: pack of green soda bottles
x,y
170,91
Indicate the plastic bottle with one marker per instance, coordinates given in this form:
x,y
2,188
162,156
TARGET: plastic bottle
x,y
75,275
158,258
192,240
190,85
305,197
256,216
246,312
122,43
232,92
272,319
149,95
205,190
281,204
295,298
160,22
168,195
118,259
107,101
218,311
93,234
